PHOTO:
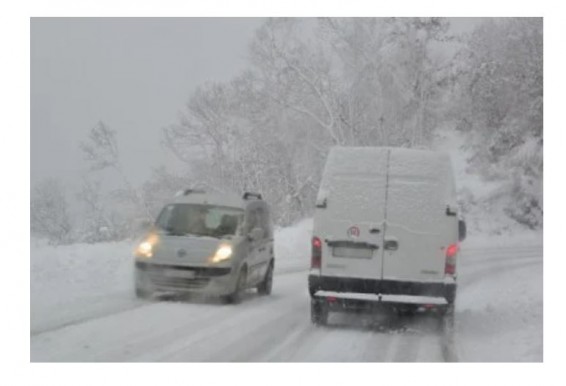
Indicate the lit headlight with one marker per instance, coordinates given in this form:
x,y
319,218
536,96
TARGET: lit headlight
x,y
223,253
145,249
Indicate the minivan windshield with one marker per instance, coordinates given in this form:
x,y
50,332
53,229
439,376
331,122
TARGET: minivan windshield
x,y
200,220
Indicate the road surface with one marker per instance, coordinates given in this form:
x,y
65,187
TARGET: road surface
x,y
117,327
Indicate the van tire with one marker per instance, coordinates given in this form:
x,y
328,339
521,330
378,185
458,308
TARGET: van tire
x,y
264,288
446,323
314,285
319,312
236,296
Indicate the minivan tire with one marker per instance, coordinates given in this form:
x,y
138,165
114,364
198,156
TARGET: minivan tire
x,y
264,288
236,296
143,294
319,312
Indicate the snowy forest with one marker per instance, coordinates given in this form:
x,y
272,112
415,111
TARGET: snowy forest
x,y
311,84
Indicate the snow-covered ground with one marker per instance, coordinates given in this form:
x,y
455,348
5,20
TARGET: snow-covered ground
x,y
83,309
500,299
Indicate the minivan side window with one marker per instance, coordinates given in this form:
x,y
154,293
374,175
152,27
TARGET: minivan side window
x,y
250,221
260,220
256,219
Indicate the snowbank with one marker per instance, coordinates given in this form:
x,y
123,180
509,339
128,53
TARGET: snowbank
x,y
71,279
292,246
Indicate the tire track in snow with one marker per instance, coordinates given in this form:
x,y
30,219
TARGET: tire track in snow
x,y
185,347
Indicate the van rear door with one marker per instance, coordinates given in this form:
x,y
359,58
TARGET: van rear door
x,y
351,223
418,230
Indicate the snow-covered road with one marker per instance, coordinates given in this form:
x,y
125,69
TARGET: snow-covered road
x,y
275,328
499,318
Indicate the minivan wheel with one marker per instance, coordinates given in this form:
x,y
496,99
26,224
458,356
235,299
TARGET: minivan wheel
x,y
143,294
319,312
236,296
264,288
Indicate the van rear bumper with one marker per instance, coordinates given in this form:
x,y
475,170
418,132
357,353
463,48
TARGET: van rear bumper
x,y
408,292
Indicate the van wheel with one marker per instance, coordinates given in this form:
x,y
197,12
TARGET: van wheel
x,y
236,296
266,285
446,322
319,312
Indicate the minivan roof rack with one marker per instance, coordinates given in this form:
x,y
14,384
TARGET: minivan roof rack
x,y
186,192
250,194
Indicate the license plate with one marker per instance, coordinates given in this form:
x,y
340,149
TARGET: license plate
x,y
356,253
179,273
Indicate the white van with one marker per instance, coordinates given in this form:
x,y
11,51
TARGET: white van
x,y
386,231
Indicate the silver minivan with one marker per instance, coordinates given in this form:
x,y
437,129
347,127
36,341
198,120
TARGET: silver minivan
x,y
209,244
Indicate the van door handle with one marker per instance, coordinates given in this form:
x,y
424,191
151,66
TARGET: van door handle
x,y
391,245
374,230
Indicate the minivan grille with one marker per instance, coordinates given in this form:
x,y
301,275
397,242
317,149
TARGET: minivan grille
x,y
180,277
178,283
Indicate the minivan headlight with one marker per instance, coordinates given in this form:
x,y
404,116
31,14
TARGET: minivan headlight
x,y
224,252
145,248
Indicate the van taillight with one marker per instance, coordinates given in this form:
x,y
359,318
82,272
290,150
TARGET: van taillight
x,y
450,266
316,254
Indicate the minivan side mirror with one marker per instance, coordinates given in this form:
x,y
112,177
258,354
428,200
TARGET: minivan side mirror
x,y
461,230
256,234
145,225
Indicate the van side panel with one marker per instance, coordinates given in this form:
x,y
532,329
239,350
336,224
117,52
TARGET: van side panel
x,y
420,186
351,224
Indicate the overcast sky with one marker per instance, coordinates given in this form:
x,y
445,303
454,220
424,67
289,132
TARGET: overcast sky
x,y
135,74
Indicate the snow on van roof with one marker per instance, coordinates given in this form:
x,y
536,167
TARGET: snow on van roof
x,y
420,182
373,161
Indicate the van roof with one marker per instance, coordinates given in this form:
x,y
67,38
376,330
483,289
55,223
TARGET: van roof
x,y
367,160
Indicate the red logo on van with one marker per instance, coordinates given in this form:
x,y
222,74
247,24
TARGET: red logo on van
x,y
353,231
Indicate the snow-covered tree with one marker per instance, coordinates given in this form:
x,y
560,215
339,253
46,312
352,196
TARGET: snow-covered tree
x,y
311,84
501,106
49,217
101,151
96,222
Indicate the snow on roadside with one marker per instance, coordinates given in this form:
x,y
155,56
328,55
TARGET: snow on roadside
x,y
499,306
517,239
74,280
292,246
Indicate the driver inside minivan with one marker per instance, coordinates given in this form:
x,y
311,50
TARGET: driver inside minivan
x,y
199,220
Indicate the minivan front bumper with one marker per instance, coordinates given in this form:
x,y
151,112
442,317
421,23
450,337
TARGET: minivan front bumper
x,y
155,277
406,292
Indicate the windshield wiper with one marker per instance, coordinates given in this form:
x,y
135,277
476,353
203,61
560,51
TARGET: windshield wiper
x,y
172,231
